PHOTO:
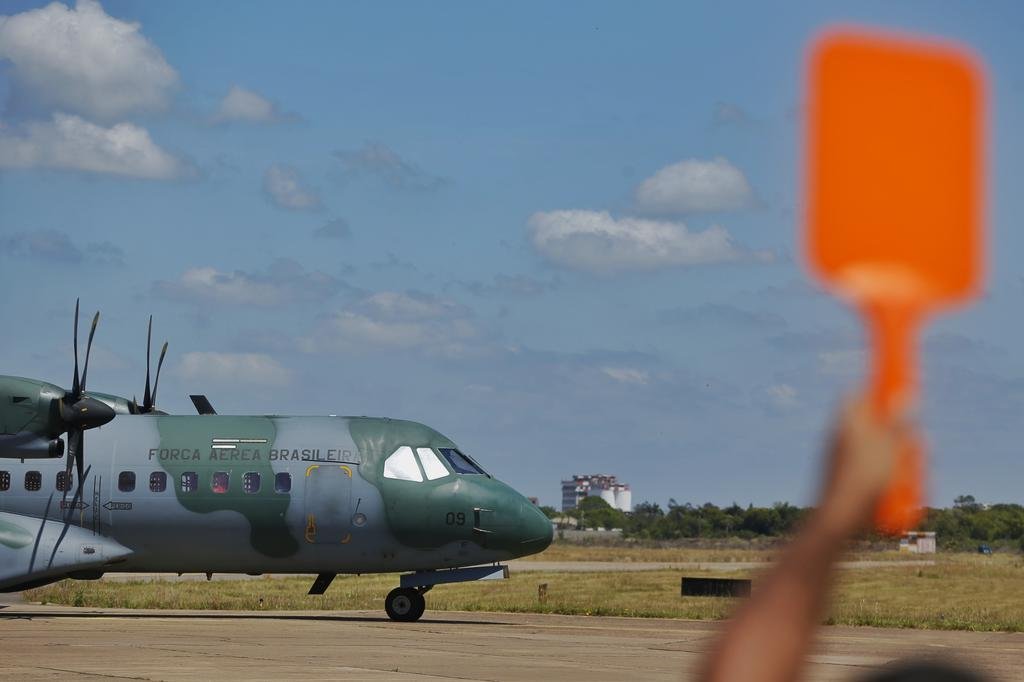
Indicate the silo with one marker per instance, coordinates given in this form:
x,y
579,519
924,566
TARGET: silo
x,y
608,495
624,499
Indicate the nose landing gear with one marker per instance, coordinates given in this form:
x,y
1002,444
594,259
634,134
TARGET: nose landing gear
x,y
405,604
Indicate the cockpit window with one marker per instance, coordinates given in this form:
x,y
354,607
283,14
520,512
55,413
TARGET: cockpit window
x,y
401,465
432,466
460,462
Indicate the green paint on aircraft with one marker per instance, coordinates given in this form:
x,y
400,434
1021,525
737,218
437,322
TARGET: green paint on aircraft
x,y
187,445
28,406
224,513
415,511
14,536
427,513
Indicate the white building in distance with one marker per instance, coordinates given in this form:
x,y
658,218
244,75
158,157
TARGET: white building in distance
x,y
607,487
918,542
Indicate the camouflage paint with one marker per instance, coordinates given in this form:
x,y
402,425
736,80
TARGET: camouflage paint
x,y
409,507
265,510
14,536
406,526
418,512
35,410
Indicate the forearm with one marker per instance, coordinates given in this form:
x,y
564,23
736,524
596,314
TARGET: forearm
x,y
769,636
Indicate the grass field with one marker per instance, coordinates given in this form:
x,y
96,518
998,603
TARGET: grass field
x,y
964,591
625,552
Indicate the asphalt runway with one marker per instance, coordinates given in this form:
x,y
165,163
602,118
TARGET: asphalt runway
x,y
49,642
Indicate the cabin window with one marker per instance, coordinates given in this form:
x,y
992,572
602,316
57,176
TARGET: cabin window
x,y
33,481
126,481
283,482
251,482
432,466
64,481
220,482
5,480
402,466
460,462
157,482
189,482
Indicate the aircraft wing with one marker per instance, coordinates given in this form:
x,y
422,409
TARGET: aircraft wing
x,y
36,551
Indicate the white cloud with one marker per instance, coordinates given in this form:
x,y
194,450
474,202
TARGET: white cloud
x,y
283,282
511,286
245,105
234,368
396,320
379,160
351,330
71,143
728,113
597,242
227,287
627,375
58,247
85,61
782,396
695,185
843,363
397,305
283,185
361,329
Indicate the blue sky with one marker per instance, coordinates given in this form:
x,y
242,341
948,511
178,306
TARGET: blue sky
x,y
565,235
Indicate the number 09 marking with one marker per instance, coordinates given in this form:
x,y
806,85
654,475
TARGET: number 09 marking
x,y
455,519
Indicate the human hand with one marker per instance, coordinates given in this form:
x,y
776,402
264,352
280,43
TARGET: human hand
x,y
861,462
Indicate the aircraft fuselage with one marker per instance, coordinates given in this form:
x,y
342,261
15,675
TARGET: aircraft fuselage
x,y
259,494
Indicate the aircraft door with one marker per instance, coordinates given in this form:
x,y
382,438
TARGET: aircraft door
x,y
328,499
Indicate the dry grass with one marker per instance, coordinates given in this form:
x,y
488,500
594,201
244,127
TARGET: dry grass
x,y
725,553
627,553
960,592
641,593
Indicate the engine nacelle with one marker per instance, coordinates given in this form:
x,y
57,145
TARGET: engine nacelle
x,y
30,406
30,446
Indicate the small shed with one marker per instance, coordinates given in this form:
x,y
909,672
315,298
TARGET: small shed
x,y
918,542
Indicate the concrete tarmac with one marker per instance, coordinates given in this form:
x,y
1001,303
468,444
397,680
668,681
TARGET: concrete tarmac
x,y
49,642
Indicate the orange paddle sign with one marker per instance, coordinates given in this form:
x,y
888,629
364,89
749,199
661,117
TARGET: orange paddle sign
x,y
894,155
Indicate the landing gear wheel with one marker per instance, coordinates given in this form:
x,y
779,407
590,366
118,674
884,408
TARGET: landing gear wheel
x,y
405,604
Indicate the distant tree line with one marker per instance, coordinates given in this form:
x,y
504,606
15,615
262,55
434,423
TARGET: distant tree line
x,y
963,526
649,521
968,524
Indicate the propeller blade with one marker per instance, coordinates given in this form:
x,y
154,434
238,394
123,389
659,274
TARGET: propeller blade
x,y
156,382
88,349
74,446
147,399
75,386
134,407
71,453
80,459
78,411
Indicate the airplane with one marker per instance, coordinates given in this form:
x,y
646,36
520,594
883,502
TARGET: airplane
x,y
257,494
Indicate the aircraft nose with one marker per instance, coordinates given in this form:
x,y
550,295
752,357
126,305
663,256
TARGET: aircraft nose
x,y
536,532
